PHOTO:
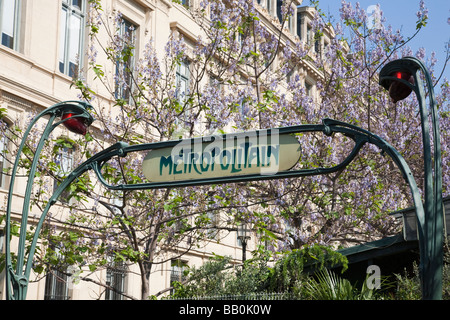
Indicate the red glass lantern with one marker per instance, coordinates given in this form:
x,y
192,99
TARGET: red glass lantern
x,y
76,125
397,90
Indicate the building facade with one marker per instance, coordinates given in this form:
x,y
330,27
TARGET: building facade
x,y
44,46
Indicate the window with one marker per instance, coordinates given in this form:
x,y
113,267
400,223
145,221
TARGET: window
x,y
115,281
279,10
290,74
317,46
56,287
64,161
117,202
309,89
213,223
125,62
9,22
3,153
2,240
309,35
71,36
2,273
178,271
326,45
243,108
182,79
299,24
269,6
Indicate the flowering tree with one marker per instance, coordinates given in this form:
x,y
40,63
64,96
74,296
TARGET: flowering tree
x,y
241,76
352,205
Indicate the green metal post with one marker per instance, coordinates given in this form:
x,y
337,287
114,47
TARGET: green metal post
x,y
432,241
17,280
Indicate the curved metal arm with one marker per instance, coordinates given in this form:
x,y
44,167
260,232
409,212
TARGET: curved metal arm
x,y
75,174
433,238
17,279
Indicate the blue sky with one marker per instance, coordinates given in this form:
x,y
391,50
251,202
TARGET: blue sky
x,y
401,14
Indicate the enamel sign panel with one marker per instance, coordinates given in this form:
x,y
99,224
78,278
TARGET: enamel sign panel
x,y
263,152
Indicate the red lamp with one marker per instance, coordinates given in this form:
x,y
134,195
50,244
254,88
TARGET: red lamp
x,y
75,124
398,90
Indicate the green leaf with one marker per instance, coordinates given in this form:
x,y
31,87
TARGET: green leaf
x,y
268,233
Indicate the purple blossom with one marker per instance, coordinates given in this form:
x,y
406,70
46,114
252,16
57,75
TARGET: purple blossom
x,y
233,96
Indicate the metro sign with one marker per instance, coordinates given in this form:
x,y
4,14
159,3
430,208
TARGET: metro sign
x,y
263,152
